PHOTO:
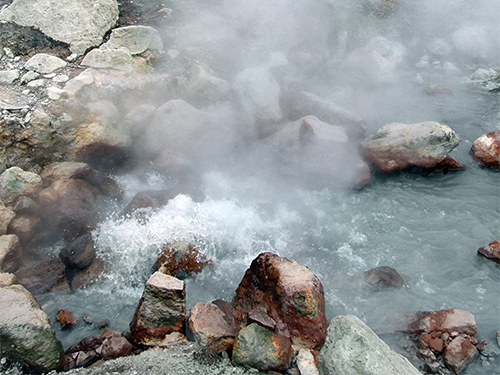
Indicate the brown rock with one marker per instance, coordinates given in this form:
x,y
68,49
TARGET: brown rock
x,y
10,253
382,278
24,227
449,320
228,310
65,318
171,339
459,354
434,343
102,155
114,345
491,251
448,164
291,294
26,206
259,316
486,150
62,171
180,259
106,185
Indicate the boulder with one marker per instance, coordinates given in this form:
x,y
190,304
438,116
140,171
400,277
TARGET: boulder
x,y
114,345
78,23
459,353
180,259
14,182
486,150
65,318
26,332
291,294
397,147
352,348
491,251
80,253
379,278
161,310
203,87
449,320
44,63
7,279
109,58
262,349
137,39
106,185
10,253
210,328
6,216
24,227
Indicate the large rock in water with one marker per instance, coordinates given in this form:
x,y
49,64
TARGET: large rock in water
x,y
25,331
396,147
291,294
80,23
486,150
352,348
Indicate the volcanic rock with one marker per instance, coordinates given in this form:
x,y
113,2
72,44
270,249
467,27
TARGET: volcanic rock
x,y
352,348
26,206
161,310
6,216
382,278
137,39
9,76
491,251
26,332
449,320
10,253
203,87
44,63
106,185
291,294
24,227
62,170
260,348
14,182
65,318
180,259
486,150
114,345
80,253
459,354
397,147
210,328
109,58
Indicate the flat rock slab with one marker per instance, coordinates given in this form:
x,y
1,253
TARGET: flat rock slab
x,y
44,63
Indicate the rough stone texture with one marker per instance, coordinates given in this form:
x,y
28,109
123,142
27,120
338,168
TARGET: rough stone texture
x,y
26,206
210,328
25,331
62,170
442,320
260,348
486,150
459,354
161,310
44,63
24,227
382,278
106,185
14,182
7,279
10,253
491,251
352,348
180,259
114,345
306,363
291,294
396,147
6,216
80,253
65,318
80,23
9,76
109,58
137,39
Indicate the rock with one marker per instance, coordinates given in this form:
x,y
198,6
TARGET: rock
x,y
203,87
161,310
383,277
89,275
210,328
180,259
80,253
137,39
62,170
9,76
26,332
6,216
381,8
397,147
114,345
7,279
498,338
69,206
30,76
65,318
434,343
148,199
459,354
486,79
291,294
447,165
491,251
172,339
306,363
106,185
76,22
442,320
10,253
14,182
44,63
259,315
109,58
352,348
77,85
26,206
486,150
24,227
262,349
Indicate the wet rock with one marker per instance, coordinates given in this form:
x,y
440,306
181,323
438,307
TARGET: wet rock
x,y
114,345
306,362
44,63
24,227
161,310
449,320
62,170
210,328
291,294
352,348
9,76
10,253
434,342
486,150
486,79
459,354
149,199
65,318
106,185
14,182
84,352
26,332
78,23
381,8
180,259
137,39
447,165
89,275
6,216
260,348
491,251
383,278
109,58
259,315
80,253
7,279
69,206
397,147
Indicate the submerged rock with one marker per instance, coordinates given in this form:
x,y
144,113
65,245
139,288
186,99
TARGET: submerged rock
x,y
65,318
486,150
80,253
491,251
383,278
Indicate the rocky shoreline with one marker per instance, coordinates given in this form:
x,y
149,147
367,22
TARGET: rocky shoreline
x,y
80,107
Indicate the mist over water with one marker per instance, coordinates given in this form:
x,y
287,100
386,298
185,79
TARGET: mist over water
x,y
375,62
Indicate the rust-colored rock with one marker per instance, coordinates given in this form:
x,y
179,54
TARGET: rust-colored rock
x,y
442,320
491,251
291,294
434,343
486,150
65,318
114,345
459,354
180,259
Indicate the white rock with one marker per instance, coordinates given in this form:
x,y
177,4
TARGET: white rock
x,y
36,83
306,363
44,63
109,58
30,76
9,76
61,78
137,39
85,78
54,93
371,67
439,47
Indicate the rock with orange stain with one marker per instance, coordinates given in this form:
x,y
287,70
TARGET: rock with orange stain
x,y
449,320
491,251
180,259
486,150
65,318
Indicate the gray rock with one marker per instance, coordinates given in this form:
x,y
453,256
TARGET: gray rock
x,y
80,253
379,278
109,58
44,63
352,348
9,76
14,182
6,216
10,253
80,23
137,39
26,332
204,87
30,76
